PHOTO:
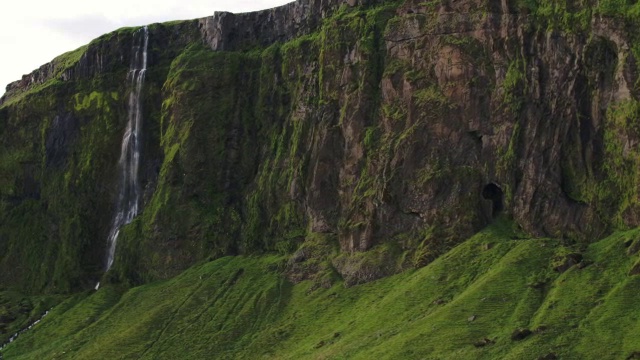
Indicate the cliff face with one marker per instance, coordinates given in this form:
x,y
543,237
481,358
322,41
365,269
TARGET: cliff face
x,y
226,31
61,129
360,138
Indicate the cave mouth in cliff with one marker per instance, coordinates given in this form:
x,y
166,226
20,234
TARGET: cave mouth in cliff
x,y
494,193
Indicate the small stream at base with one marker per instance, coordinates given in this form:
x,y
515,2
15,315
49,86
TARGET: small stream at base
x,y
15,336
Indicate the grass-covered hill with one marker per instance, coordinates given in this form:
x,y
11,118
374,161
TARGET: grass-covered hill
x,y
495,296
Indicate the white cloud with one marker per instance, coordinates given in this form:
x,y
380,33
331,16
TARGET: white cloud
x,y
79,28
33,32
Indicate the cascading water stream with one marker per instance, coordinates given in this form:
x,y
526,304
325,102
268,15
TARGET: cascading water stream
x,y
129,191
15,336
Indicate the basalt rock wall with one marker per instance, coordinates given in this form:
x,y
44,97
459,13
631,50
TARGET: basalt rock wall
x,y
229,31
358,139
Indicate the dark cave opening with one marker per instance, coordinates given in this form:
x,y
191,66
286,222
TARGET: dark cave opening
x,y
494,193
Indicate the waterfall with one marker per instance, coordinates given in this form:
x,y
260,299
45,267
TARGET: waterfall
x,y
129,190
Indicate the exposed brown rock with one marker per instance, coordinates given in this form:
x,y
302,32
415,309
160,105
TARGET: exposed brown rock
x,y
634,247
635,270
483,342
568,261
540,329
228,31
487,246
520,334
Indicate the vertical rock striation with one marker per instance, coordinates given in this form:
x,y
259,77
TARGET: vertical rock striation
x,y
362,138
225,31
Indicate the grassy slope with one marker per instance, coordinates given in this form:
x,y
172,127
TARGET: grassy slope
x,y
241,308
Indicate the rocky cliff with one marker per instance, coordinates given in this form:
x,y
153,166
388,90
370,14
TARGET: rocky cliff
x,y
360,138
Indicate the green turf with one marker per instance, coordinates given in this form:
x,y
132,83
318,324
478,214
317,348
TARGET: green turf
x,y
243,308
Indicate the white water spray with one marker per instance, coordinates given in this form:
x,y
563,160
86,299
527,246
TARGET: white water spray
x,y
129,192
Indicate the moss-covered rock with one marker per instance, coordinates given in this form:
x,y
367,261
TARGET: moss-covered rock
x,y
378,124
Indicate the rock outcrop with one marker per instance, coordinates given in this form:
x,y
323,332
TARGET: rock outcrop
x,y
225,31
102,57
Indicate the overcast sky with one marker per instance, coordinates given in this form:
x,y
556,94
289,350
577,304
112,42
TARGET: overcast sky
x,y
33,32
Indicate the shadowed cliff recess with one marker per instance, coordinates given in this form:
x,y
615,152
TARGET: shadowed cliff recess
x,y
493,193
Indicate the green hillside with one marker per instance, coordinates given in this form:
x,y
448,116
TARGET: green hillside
x,y
477,294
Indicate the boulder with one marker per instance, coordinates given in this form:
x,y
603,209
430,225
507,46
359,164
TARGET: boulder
x,y
520,334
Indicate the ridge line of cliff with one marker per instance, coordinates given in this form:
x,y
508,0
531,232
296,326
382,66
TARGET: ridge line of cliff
x,y
223,31
226,31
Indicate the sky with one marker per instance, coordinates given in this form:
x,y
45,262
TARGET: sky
x,y
33,32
